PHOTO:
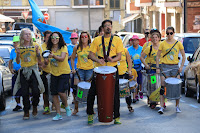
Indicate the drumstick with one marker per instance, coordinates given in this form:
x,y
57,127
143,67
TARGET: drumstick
x,y
78,75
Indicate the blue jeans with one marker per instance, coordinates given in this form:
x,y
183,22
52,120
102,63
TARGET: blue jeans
x,y
85,75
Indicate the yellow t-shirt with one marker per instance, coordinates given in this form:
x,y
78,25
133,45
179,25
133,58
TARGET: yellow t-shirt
x,y
116,47
57,67
134,73
152,58
122,65
48,67
172,56
28,56
146,45
83,61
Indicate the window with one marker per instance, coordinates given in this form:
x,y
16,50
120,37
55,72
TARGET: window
x,y
115,4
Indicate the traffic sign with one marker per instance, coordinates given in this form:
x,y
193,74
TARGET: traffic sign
x,y
46,16
25,14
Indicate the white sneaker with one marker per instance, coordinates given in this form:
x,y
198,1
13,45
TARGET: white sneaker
x,y
57,117
160,111
178,110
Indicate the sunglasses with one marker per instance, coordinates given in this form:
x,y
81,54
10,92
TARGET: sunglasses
x,y
53,37
84,36
171,33
146,33
74,38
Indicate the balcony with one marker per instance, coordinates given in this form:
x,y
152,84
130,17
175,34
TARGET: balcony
x,y
168,3
84,4
144,2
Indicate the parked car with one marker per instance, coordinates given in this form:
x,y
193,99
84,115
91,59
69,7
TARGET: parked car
x,y
192,76
6,42
128,36
20,25
190,41
6,37
2,94
5,83
5,53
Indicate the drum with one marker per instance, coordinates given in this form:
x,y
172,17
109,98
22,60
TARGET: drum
x,y
153,83
82,91
105,87
173,88
124,87
46,53
144,81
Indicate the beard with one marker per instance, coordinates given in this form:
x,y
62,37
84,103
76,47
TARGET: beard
x,y
108,31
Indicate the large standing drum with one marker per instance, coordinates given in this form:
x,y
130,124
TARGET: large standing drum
x,y
82,91
173,88
105,86
124,87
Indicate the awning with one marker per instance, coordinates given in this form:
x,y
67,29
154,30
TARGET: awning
x,y
130,18
4,18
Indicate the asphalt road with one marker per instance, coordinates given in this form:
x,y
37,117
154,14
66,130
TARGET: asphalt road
x,y
143,120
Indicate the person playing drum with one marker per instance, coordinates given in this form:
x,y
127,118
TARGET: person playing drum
x,y
168,55
84,65
122,69
115,45
151,52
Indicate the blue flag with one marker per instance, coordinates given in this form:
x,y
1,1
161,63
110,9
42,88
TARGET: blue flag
x,y
39,21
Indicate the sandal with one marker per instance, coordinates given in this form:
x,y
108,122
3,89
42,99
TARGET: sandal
x,y
75,112
130,109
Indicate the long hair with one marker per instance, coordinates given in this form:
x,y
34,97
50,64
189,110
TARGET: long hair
x,y
21,42
61,42
80,41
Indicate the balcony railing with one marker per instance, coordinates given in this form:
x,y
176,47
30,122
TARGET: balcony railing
x,y
85,2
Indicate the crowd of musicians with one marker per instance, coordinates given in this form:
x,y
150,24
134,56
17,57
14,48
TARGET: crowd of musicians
x,y
68,64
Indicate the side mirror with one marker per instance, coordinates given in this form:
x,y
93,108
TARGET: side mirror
x,y
189,59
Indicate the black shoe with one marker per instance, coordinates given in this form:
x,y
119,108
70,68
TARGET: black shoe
x,y
134,100
17,108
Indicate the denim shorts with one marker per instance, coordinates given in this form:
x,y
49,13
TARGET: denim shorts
x,y
59,84
85,75
169,70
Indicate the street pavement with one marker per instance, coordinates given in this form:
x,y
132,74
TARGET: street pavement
x,y
143,120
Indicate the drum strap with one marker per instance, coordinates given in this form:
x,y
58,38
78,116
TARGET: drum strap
x,y
106,54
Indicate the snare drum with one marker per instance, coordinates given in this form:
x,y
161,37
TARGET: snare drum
x,y
124,87
46,53
82,91
105,87
173,88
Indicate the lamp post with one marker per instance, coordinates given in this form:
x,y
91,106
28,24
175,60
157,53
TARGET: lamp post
x,y
89,16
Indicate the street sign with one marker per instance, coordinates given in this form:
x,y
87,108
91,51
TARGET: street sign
x,y
25,14
46,16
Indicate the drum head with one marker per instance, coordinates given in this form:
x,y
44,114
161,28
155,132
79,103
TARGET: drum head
x,y
173,80
84,85
46,53
123,81
105,69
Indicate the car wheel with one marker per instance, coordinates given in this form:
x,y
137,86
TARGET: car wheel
x,y
198,97
188,92
2,101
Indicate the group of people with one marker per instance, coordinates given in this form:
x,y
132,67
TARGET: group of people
x,y
67,65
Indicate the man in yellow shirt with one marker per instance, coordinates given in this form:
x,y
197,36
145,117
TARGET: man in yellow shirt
x,y
116,47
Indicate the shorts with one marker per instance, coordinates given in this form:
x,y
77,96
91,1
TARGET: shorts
x,y
169,70
59,84
85,75
139,78
45,81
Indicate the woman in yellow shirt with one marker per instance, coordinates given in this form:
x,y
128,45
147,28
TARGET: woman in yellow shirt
x,y
84,65
60,72
151,53
169,61
29,55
